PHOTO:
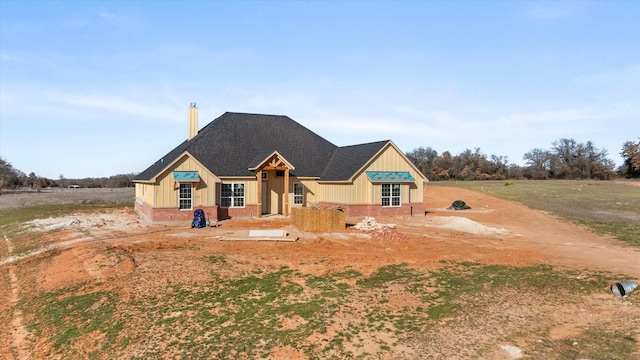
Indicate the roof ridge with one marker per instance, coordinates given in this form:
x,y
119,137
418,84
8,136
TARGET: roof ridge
x,y
368,143
257,114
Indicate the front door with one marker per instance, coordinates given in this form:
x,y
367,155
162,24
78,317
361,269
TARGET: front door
x,y
265,197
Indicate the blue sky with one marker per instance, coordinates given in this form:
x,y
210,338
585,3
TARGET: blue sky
x,y
92,89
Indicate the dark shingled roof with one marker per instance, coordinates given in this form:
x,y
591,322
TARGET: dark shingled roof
x,y
234,142
348,159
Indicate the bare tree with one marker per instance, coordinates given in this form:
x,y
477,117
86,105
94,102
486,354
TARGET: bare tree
x,y
538,164
34,181
631,155
8,176
423,159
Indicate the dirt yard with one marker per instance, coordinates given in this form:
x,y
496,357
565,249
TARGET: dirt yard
x,y
492,232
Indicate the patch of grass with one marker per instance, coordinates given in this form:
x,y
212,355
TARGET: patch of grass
x,y
69,314
348,274
592,343
329,286
305,310
607,207
459,279
11,222
20,215
216,259
387,274
600,344
5,298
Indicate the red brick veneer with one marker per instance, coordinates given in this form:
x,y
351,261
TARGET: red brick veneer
x,y
155,215
355,210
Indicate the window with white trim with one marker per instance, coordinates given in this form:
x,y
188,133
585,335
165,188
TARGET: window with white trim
x,y
298,193
232,195
185,196
390,195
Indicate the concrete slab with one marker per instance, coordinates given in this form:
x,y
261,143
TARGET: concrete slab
x,y
259,238
267,233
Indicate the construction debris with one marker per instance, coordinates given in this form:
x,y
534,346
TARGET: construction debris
x,y
380,231
369,223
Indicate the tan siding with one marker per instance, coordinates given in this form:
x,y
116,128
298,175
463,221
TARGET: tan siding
x,y
251,191
310,191
391,160
362,191
167,196
144,192
336,193
363,188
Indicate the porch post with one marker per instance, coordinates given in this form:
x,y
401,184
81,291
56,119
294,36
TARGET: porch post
x,y
259,211
286,191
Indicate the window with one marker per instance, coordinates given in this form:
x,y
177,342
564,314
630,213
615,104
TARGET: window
x,y
298,193
231,195
390,195
185,197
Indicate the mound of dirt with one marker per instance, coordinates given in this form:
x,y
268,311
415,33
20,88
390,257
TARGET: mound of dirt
x,y
108,220
463,224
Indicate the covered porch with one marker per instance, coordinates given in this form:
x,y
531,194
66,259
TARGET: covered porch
x,y
273,184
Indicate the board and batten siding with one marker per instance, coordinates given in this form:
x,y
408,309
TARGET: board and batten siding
x,y
338,193
144,192
166,194
363,191
310,190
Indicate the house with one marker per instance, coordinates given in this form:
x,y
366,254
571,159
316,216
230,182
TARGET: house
x,y
243,165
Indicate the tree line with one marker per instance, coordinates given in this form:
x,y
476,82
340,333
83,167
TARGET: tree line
x,y
11,178
566,159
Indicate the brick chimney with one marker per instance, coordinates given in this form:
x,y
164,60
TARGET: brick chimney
x,y
193,121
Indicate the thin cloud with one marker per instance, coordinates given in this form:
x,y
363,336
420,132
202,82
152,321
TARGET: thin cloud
x,y
552,10
118,105
114,19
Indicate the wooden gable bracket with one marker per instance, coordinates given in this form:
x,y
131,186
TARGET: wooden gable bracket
x,y
275,163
